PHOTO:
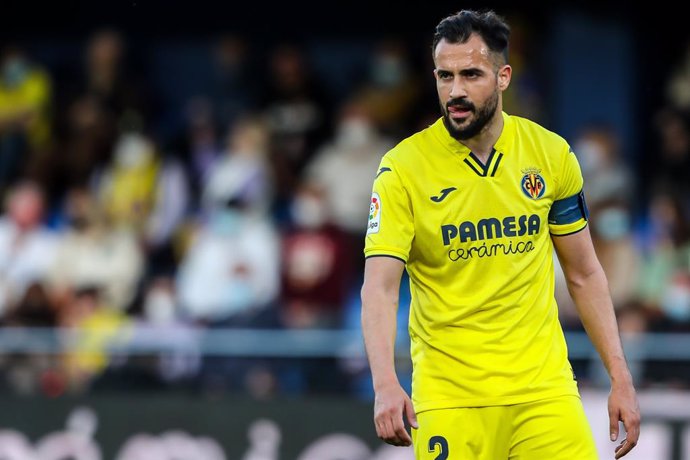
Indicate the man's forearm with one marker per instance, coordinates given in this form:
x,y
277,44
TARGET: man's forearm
x,y
379,323
593,302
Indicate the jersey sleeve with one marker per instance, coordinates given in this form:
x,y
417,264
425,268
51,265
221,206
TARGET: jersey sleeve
x,y
568,212
390,228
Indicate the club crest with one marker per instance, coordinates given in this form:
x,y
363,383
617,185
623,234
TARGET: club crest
x,y
533,185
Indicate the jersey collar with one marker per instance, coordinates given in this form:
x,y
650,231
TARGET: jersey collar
x,y
502,144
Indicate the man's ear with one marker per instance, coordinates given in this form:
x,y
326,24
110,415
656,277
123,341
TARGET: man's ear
x,y
504,75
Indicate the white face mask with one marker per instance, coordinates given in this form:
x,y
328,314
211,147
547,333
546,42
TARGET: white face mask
x,y
82,422
354,133
591,155
132,151
308,212
159,306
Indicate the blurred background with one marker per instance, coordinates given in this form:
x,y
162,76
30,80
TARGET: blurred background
x,y
185,188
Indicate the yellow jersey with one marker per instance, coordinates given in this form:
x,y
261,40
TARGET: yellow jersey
x,y
476,241
31,96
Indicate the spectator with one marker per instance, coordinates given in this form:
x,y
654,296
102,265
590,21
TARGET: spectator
x,y
665,239
159,325
298,115
197,146
670,166
229,277
233,91
317,274
391,90
109,76
167,219
611,193
127,186
95,325
103,96
229,274
678,82
607,174
614,242
27,246
317,264
344,167
93,253
242,168
25,114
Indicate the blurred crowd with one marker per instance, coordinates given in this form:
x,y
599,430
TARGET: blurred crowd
x,y
240,201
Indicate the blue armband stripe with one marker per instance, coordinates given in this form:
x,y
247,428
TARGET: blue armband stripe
x,y
569,210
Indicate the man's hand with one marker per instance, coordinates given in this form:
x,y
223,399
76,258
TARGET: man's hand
x,y
623,407
389,406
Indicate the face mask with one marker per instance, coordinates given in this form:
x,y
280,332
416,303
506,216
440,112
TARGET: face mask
x,y
159,307
238,295
308,212
591,155
354,133
676,302
82,422
612,223
132,151
14,71
227,222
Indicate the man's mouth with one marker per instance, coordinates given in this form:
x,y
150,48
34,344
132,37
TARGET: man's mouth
x,y
457,111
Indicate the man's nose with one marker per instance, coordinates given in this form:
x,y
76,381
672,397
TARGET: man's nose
x,y
458,89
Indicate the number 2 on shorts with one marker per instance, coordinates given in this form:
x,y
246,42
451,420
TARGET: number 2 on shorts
x,y
441,442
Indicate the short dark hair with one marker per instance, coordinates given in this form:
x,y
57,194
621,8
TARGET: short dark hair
x,y
458,27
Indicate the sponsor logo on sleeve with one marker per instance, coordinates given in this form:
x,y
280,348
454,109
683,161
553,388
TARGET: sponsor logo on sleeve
x,y
374,224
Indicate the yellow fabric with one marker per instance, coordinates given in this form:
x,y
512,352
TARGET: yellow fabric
x,y
95,333
553,429
483,320
31,96
571,180
130,197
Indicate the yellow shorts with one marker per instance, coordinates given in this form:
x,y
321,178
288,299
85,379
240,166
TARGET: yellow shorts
x,y
551,429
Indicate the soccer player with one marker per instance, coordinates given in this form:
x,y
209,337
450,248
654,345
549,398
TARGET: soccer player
x,y
473,207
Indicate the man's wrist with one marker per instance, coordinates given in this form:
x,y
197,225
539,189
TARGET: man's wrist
x,y
386,381
621,377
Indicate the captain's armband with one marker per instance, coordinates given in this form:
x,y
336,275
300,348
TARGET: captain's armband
x,y
568,215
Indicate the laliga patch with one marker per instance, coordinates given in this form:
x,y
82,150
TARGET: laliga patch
x,y
374,214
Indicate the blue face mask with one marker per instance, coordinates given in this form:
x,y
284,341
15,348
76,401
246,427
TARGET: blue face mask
x,y
612,223
14,71
227,221
238,296
676,303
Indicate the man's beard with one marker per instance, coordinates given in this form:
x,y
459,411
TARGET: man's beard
x,y
482,116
